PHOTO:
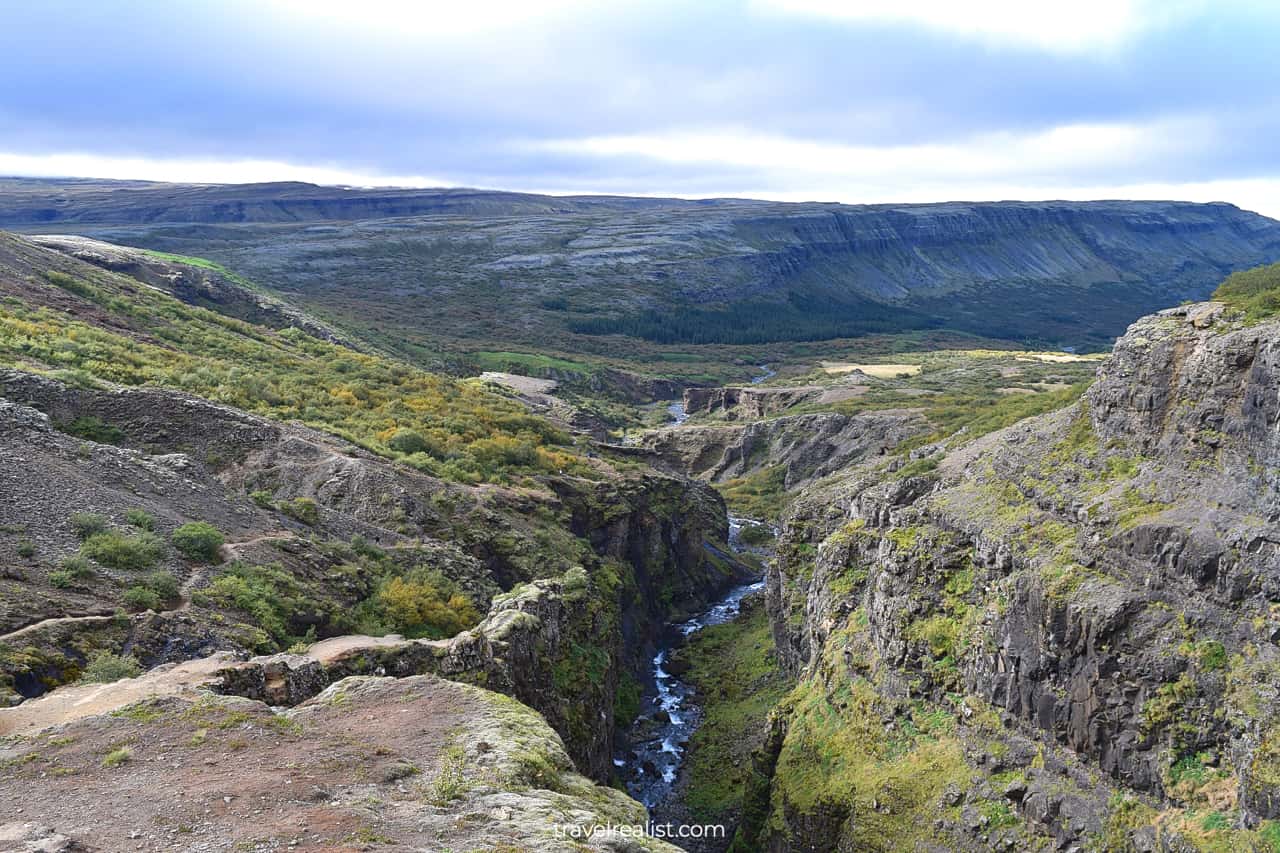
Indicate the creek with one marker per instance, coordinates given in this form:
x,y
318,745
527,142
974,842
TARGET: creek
x,y
650,762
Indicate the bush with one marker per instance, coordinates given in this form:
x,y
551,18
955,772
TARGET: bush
x,y
93,429
1255,291
140,519
140,598
85,524
425,606
117,551
301,509
163,584
106,667
198,540
263,498
77,567
407,441
60,579
26,548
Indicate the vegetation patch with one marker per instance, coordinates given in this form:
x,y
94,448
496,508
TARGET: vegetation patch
x,y
735,669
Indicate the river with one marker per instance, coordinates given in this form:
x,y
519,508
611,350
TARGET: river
x,y
649,765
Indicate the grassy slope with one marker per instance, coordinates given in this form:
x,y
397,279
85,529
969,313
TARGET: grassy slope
x,y
737,675
86,325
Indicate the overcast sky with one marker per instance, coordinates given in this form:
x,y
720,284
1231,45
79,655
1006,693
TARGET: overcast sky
x,y
884,100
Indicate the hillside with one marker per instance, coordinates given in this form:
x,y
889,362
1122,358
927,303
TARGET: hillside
x,y
677,288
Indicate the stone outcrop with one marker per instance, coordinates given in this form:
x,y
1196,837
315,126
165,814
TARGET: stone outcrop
x,y
746,404
413,763
807,446
1100,577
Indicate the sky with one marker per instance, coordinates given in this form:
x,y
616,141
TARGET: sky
x,y
858,101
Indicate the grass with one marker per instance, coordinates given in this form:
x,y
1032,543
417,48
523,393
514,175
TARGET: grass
x,y
1255,292
760,495
117,757
152,339
735,669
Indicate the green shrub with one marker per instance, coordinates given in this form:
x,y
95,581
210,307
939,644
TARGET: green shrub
x,y
26,549
140,519
86,524
60,579
263,498
424,604
140,598
301,509
118,551
106,667
163,584
92,428
198,540
407,441
77,567
118,756
1255,291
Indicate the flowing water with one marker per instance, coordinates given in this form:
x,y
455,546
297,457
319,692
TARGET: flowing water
x,y
651,763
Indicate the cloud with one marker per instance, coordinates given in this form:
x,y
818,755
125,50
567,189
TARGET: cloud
x,y
198,171
1081,25
1057,154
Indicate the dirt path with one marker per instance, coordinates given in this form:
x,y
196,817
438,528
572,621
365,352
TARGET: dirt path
x,y
100,617
85,700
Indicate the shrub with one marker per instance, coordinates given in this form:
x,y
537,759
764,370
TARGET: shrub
x,y
91,428
263,498
118,756
60,578
140,598
163,584
425,606
117,551
407,441
1255,291
78,567
198,540
85,524
106,667
140,519
26,549
301,509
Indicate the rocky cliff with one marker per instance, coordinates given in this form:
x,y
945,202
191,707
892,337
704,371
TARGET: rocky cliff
x,y
1063,633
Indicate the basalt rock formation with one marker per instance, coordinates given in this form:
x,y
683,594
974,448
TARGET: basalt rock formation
x,y
1063,634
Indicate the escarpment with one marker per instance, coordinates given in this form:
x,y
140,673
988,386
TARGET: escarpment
x,y
634,551
1090,591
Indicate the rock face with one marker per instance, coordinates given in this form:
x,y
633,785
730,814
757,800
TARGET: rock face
x,y
807,446
416,763
195,285
649,548
746,404
1086,592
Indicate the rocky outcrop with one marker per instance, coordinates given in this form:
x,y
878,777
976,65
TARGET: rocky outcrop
x,y
1100,577
746,404
206,286
807,446
415,763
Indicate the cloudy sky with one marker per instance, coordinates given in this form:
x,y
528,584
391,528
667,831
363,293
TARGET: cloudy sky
x,y
844,100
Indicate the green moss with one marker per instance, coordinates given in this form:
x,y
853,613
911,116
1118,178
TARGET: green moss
x,y
735,669
838,750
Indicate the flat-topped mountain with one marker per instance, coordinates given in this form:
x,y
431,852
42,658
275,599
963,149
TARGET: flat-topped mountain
x,y
469,267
